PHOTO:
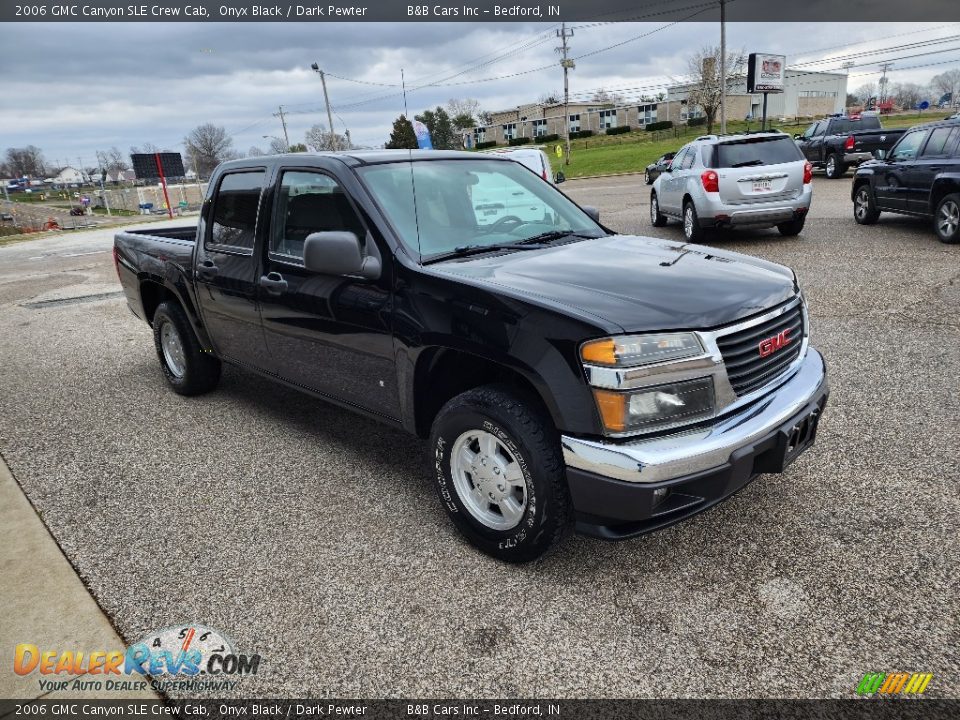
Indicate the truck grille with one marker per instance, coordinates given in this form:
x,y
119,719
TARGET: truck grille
x,y
747,369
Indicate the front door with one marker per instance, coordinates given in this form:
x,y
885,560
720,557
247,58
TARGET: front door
x,y
892,182
328,333
933,159
226,269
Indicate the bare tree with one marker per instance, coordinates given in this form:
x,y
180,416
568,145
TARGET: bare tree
x,y
26,161
947,83
320,138
554,97
112,160
207,146
463,106
907,94
606,98
278,147
865,92
705,86
255,151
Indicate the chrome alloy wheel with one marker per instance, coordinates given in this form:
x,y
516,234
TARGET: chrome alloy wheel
x,y
948,218
688,221
488,480
654,209
831,165
862,203
172,347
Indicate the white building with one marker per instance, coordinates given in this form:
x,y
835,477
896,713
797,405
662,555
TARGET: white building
x,y
69,176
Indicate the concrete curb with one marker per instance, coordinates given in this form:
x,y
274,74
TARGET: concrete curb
x,y
595,177
45,602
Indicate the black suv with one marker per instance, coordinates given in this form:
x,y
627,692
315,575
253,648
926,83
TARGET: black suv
x,y
920,176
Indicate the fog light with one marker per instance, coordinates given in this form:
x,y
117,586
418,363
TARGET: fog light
x,y
659,495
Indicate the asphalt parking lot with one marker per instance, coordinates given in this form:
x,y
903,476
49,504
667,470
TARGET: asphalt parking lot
x,y
314,537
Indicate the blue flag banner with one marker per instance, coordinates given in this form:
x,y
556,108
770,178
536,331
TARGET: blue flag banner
x,y
423,136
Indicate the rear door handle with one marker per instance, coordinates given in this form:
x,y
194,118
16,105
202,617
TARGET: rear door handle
x,y
273,283
207,269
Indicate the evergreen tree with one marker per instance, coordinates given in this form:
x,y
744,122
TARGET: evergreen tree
x,y
441,129
402,136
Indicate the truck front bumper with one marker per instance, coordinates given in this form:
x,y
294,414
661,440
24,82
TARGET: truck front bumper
x,y
623,489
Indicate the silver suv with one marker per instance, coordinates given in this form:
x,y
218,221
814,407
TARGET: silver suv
x,y
756,180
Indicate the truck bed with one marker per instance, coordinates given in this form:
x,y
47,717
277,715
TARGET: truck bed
x,y
164,254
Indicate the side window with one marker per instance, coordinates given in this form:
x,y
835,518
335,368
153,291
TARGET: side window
x,y
941,142
689,158
677,161
819,129
908,146
234,220
310,202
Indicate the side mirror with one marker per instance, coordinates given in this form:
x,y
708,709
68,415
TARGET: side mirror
x,y
797,136
592,212
339,253
668,167
880,154
559,177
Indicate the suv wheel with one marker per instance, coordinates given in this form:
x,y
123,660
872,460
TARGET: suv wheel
x,y
498,470
657,219
947,219
186,366
835,167
691,223
864,208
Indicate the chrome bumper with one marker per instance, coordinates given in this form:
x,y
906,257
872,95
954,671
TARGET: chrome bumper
x,y
664,458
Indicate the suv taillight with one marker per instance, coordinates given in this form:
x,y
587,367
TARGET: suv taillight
x,y
848,145
807,173
710,180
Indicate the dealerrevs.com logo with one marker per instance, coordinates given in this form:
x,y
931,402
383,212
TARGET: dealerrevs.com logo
x,y
899,683
190,658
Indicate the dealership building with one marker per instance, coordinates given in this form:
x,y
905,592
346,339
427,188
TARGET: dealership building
x,y
806,95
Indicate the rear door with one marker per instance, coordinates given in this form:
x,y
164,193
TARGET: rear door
x,y
892,183
758,169
328,333
932,160
226,272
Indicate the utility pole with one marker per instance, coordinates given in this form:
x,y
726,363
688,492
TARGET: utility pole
x,y
283,121
326,99
723,67
567,64
883,80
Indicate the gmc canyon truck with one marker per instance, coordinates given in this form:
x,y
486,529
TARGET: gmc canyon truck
x,y
567,377
836,143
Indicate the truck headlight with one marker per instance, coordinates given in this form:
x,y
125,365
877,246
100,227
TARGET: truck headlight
x,y
656,407
632,350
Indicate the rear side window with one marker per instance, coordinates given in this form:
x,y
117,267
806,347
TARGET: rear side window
x,y
234,222
941,142
754,151
689,158
908,146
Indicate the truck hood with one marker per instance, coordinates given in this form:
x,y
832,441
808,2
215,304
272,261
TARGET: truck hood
x,y
639,283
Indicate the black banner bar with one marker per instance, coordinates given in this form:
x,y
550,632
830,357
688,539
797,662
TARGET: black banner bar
x,y
475,11
918,708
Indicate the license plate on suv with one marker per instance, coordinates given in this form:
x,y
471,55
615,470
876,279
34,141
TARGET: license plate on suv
x,y
761,186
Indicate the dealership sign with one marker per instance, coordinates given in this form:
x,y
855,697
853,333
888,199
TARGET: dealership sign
x,y
765,73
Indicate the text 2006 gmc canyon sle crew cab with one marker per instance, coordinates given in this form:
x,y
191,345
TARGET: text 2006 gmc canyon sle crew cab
x,y
566,376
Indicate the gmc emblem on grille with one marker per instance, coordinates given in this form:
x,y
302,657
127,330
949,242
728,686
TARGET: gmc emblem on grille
x,y
772,344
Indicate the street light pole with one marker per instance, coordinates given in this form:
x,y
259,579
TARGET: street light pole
x,y
567,64
723,67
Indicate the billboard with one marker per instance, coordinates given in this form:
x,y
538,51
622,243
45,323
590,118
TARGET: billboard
x,y
145,165
765,73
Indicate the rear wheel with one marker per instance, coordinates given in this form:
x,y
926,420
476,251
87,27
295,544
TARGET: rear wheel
x,y
835,167
657,219
794,227
946,219
186,366
864,208
691,223
498,470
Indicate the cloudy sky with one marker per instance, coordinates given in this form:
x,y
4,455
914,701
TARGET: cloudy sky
x,y
72,89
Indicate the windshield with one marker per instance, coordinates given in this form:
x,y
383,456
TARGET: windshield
x,y
470,203
754,151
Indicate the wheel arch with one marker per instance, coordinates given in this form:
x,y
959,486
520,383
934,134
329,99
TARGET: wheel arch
x,y
941,188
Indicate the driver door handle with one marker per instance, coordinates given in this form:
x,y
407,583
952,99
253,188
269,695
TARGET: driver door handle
x,y
207,269
273,283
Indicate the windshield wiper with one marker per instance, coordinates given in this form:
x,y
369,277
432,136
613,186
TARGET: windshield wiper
x,y
555,235
747,163
467,250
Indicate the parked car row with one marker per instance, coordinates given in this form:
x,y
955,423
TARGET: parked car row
x,y
763,180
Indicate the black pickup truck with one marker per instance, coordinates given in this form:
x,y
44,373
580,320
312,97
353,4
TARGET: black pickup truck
x,y
836,143
567,377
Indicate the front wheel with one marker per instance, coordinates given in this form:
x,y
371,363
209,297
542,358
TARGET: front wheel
x,y
646,177
947,219
657,219
498,470
864,207
188,368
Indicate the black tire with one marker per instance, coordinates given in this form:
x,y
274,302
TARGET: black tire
x,y
646,177
864,206
835,167
691,225
527,437
794,227
657,218
200,371
946,219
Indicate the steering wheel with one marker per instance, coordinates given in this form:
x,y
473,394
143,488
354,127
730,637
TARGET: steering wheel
x,y
505,220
